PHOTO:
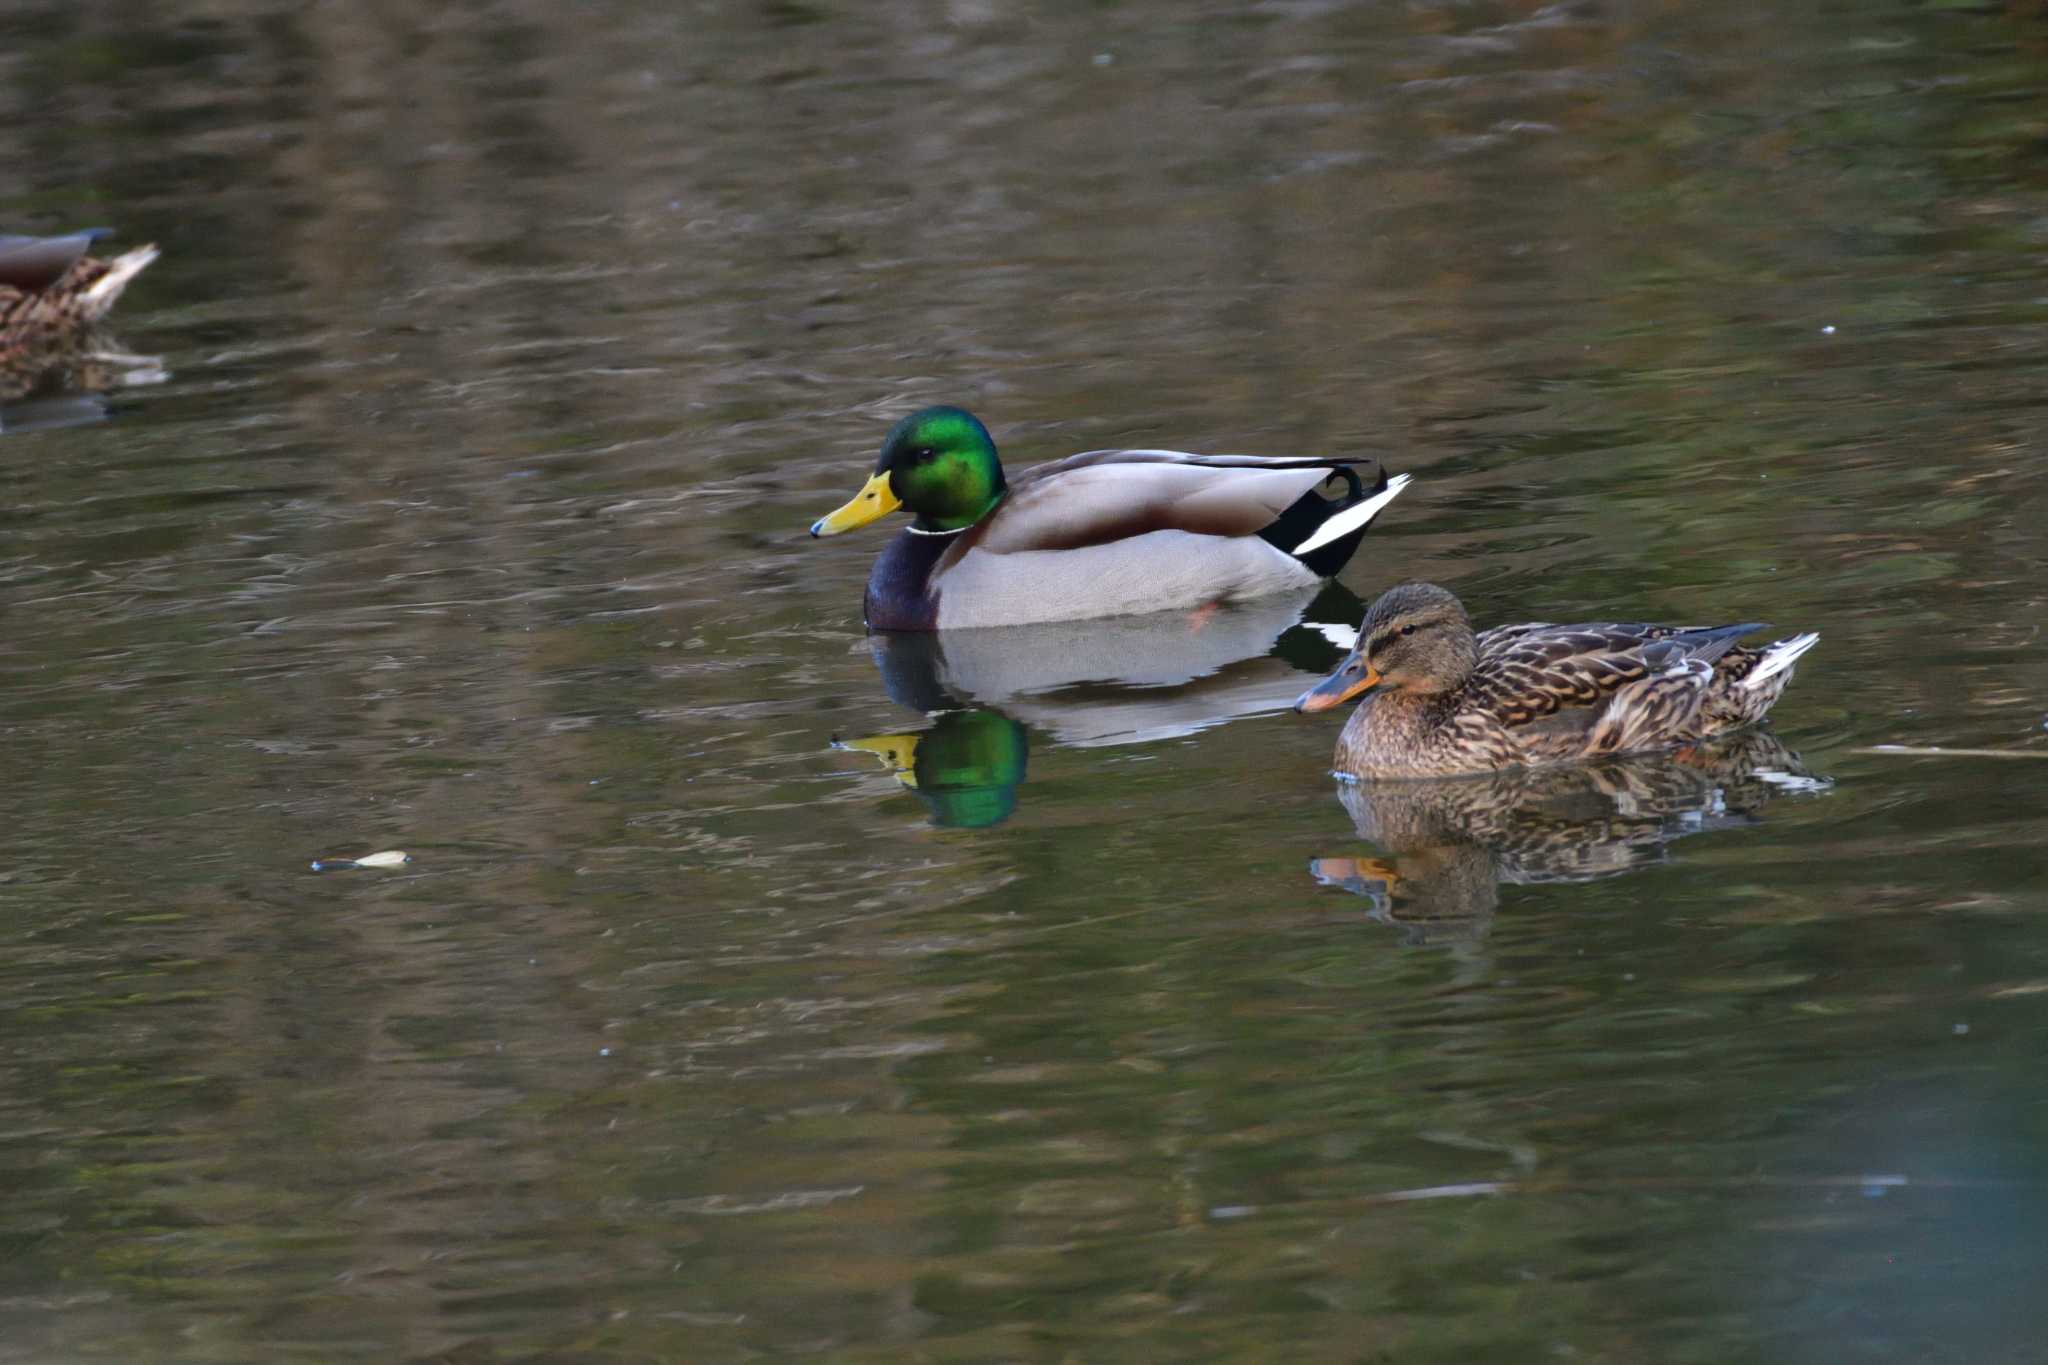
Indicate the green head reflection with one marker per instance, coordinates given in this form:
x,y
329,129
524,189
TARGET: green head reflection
x,y
966,768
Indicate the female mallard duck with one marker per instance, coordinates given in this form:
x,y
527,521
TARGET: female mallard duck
x,y
1103,533
49,286
52,297
1449,701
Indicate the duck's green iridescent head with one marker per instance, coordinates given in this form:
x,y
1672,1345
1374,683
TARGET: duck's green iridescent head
x,y
939,463
966,768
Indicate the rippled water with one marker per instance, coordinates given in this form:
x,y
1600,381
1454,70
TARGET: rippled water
x,y
511,349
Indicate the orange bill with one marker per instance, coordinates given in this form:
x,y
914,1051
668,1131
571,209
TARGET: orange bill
x,y
1353,677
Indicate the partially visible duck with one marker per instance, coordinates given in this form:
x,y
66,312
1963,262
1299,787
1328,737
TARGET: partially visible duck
x,y
52,298
1446,701
1103,533
49,284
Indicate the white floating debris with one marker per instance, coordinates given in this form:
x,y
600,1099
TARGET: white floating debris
x,y
390,857
1937,751
1828,330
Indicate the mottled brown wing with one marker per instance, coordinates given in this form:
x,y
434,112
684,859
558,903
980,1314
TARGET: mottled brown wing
x,y
1653,712
1542,672
1643,632
1500,637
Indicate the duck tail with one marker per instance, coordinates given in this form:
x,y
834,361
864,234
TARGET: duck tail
x,y
100,295
1321,533
1778,657
1708,643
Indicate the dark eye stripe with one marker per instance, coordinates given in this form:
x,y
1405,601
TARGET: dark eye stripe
x,y
1391,633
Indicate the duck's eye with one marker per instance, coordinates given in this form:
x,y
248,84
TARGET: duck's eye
x,y
923,453
1408,630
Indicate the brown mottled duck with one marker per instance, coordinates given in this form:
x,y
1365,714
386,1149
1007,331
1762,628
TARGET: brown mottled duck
x,y
52,299
1446,701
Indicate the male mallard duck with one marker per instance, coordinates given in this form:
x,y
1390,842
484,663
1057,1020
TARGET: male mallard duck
x,y
48,285
1103,533
1449,701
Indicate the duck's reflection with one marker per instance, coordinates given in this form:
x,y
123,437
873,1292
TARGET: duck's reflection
x,y
86,361
43,387
56,381
50,413
966,768
1451,843
1125,680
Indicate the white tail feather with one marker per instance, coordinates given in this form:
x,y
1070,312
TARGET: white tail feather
x,y
1779,657
123,268
1351,518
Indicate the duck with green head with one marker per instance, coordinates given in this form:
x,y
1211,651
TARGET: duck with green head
x,y
1102,533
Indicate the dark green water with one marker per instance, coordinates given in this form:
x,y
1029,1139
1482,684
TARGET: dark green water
x,y
512,350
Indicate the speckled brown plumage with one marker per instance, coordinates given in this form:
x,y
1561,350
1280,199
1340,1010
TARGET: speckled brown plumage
x,y
1447,701
52,299
1453,842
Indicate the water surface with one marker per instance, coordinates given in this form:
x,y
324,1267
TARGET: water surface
x,y
512,350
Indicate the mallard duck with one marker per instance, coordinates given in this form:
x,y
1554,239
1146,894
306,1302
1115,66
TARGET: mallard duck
x,y
52,297
1103,533
1447,701
49,284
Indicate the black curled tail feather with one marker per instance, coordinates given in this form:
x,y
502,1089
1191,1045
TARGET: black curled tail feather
x,y
1306,514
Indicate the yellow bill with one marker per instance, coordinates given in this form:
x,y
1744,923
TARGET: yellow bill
x,y
874,501
898,752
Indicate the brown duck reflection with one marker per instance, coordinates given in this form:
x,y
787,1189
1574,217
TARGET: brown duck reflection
x,y
1453,842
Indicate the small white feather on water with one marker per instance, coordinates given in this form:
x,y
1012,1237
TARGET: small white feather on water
x,y
1936,751
390,857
